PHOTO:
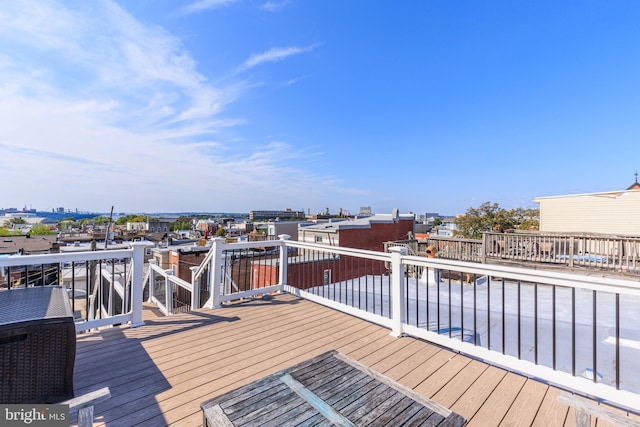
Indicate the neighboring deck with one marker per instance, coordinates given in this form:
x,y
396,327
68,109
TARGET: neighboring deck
x,y
160,373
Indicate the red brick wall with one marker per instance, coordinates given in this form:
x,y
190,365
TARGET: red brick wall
x,y
174,259
264,275
309,274
373,238
185,260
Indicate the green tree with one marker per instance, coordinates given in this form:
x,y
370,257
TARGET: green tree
x,y
66,224
529,224
221,232
101,219
40,230
131,218
182,223
4,231
17,221
487,217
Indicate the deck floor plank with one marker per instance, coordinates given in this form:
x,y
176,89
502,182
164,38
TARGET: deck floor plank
x,y
525,408
402,368
551,412
390,361
427,368
393,348
140,365
450,393
499,402
474,397
161,372
294,353
267,353
442,376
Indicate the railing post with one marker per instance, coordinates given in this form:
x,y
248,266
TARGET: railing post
x,y
572,243
397,290
195,289
136,283
484,247
215,278
152,279
284,254
168,293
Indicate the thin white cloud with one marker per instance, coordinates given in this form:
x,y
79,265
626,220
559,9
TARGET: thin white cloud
x,y
99,109
273,6
291,82
275,54
202,5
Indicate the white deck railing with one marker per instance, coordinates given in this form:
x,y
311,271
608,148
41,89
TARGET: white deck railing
x,y
574,331
96,282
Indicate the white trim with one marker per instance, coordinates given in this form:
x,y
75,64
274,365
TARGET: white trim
x,y
16,261
160,305
600,284
614,193
99,323
250,293
182,283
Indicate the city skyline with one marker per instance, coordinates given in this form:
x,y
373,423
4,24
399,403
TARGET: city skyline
x,y
230,105
63,210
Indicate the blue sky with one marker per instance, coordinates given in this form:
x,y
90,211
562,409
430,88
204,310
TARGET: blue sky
x,y
221,105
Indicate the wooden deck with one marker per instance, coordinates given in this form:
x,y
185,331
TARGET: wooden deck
x,y
161,372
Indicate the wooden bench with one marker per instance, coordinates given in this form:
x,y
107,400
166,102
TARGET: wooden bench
x,y
83,405
586,409
328,388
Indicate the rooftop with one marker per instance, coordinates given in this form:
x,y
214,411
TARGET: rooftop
x,y
161,372
339,224
28,244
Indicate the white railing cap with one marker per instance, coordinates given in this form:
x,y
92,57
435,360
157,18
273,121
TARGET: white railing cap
x,y
402,250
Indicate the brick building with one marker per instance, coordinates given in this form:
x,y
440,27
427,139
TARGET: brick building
x,y
317,268
368,233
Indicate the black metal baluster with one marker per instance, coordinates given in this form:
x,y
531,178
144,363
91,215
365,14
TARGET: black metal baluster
x,y
573,331
535,323
438,305
489,314
504,322
449,310
617,341
475,313
553,324
461,309
519,323
594,339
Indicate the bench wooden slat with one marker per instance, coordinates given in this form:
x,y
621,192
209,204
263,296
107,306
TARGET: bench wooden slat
x,y
585,410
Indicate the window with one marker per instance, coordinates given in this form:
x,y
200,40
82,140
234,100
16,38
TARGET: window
x,y
318,239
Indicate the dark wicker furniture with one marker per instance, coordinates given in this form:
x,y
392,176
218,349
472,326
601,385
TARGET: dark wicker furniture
x,y
37,345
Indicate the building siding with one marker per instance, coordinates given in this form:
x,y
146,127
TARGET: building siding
x,y
610,213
